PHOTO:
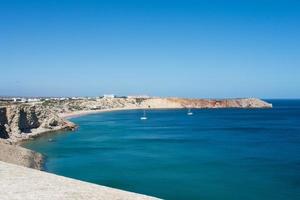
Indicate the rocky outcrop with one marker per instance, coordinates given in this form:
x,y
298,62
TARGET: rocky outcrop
x,y
3,124
20,156
19,122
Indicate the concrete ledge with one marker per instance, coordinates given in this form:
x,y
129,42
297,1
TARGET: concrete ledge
x,y
17,182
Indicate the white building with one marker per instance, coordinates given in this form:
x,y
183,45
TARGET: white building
x,y
33,100
109,96
138,97
18,99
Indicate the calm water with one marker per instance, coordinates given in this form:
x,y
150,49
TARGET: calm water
x,y
215,154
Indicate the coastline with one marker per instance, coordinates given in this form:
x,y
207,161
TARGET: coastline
x,y
22,164
80,113
40,119
75,114
51,120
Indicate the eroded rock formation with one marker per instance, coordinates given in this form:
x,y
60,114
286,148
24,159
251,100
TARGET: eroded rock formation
x,y
18,122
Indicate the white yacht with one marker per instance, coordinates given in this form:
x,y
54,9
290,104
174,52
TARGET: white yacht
x,y
144,116
190,112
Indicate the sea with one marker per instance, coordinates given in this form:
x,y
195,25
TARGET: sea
x,y
213,154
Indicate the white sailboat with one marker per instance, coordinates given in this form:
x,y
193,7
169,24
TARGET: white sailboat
x,y
144,116
190,112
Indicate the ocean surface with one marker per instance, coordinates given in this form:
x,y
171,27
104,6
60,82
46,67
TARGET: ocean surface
x,y
234,154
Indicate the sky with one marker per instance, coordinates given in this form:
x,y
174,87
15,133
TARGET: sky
x,y
196,49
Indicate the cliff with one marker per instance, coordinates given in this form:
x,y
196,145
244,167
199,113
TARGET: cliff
x,y
20,122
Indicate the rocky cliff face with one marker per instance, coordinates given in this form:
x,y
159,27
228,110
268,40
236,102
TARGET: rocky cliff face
x,y
3,122
222,103
18,122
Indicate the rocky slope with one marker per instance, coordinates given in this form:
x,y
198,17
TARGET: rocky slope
x,y
19,122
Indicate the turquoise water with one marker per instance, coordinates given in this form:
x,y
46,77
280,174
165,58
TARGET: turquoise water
x,y
214,154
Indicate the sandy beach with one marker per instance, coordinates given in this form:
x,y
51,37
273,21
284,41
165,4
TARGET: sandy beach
x,y
74,114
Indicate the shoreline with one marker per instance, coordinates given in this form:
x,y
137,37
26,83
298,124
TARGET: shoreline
x,y
58,120
80,113
76,114
52,117
39,133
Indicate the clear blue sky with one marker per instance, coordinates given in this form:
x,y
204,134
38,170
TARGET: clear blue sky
x,y
157,47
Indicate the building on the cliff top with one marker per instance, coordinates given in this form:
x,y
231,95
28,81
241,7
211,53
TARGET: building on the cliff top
x,y
18,99
109,96
34,100
138,97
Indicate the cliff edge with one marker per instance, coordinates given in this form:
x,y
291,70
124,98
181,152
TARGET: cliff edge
x,y
21,122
